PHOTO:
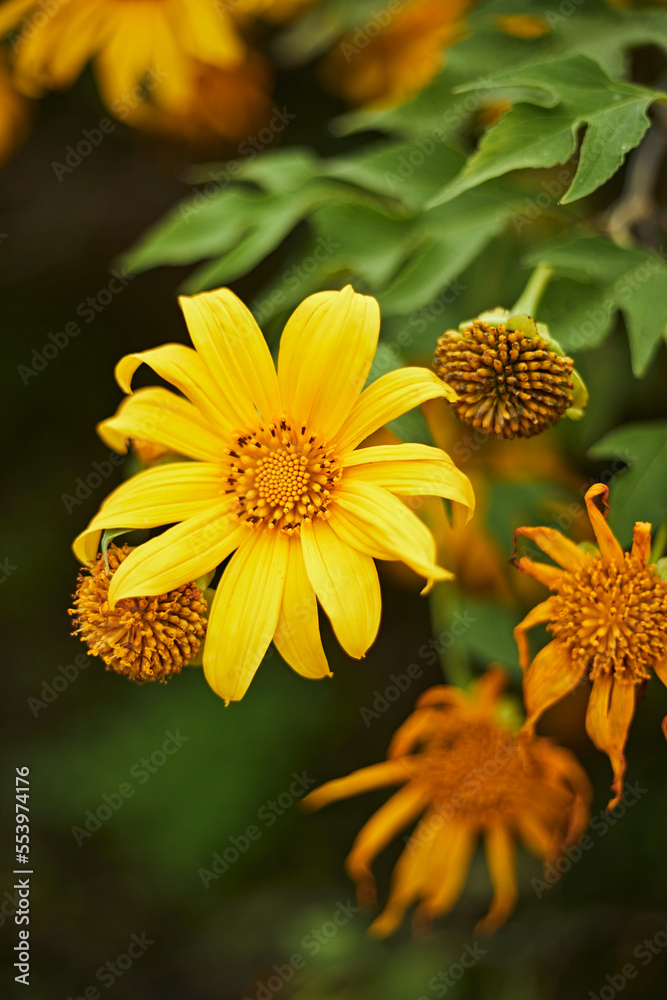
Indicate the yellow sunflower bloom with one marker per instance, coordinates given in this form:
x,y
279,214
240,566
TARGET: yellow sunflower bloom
x,y
135,44
277,479
608,617
395,54
466,774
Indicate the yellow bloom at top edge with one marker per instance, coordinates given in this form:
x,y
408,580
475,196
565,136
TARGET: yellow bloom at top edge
x,y
464,774
277,479
139,47
608,616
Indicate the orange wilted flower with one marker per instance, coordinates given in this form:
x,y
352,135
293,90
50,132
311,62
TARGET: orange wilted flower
x,y
609,622
468,774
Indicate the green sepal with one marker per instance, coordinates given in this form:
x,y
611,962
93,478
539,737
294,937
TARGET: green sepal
x,y
108,536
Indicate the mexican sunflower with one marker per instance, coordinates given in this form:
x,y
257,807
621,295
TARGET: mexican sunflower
x,y
276,478
466,774
132,42
608,616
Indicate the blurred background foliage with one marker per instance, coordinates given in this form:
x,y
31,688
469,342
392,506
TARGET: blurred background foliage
x,y
435,184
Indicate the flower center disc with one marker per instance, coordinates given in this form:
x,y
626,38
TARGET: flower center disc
x,y
280,476
612,618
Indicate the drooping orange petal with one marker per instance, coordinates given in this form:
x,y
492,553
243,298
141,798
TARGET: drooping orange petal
x,y
410,876
660,668
609,546
326,353
444,694
539,836
556,546
610,711
416,727
387,772
641,543
234,350
449,863
487,689
540,613
501,859
398,812
550,576
551,676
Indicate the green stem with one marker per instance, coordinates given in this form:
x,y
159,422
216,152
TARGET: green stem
x,y
659,545
444,602
530,297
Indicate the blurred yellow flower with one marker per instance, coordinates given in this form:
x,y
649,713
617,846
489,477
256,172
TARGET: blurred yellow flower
x,y
609,622
395,53
14,115
138,46
467,774
278,479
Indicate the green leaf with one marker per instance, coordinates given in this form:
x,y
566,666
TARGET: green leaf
x,y
597,278
639,492
552,101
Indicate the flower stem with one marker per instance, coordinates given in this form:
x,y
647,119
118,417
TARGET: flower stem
x,y
530,297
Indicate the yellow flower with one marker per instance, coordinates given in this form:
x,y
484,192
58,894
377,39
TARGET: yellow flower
x,y
467,774
609,622
388,60
135,44
277,479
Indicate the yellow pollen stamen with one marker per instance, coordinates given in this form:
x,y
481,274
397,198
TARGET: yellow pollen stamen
x,y
144,638
280,475
614,619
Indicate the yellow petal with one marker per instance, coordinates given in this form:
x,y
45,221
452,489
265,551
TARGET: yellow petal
x,y
387,772
541,613
610,710
386,398
205,33
557,546
641,543
551,676
410,469
184,368
388,527
161,417
161,495
401,809
297,636
236,354
346,584
245,611
11,13
539,837
606,539
501,859
326,353
180,554
449,864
